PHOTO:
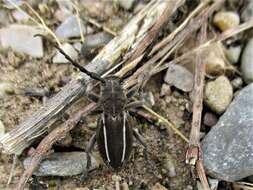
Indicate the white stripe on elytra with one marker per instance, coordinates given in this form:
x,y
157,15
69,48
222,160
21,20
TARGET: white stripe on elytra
x,y
124,137
105,139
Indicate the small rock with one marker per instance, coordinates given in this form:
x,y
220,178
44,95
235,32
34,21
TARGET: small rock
x,y
6,89
165,90
225,20
210,119
94,41
62,164
215,64
158,186
148,98
247,62
169,166
70,50
21,38
69,28
2,129
228,147
218,94
126,4
179,77
233,54
213,183
247,13
237,83
9,5
124,186
20,16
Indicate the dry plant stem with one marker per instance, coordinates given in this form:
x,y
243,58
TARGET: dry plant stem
x,y
23,135
171,7
182,26
193,155
46,144
167,123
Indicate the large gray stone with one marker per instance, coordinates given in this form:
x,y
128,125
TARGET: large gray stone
x,y
228,147
21,39
62,164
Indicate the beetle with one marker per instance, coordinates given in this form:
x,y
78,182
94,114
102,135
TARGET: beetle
x,y
115,131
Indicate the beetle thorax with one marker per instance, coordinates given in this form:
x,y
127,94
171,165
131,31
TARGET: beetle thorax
x,y
113,98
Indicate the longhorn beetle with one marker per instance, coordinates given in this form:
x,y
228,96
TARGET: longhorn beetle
x,y
115,132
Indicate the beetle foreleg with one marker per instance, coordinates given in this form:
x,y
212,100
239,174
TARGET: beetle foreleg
x,y
93,97
88,150
134,104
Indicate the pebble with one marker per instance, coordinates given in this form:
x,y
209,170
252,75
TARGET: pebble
x,y
2,129
94,41
165,90
215,64
213,183
6,89
225,20
70,50
228,147
247,62
69,28
21,39
62,164
19,16
210,119
148,98
124,186
247,13
237,83
233,54
158,186
126,4
218,94
179,77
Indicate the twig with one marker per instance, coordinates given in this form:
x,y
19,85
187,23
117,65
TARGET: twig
x,y
165,121
193,155
46,144
12,172
171,7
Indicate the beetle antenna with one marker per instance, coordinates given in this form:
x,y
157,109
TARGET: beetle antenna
x,y
81,68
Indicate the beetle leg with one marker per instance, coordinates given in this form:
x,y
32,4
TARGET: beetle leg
x,y
141,140
93,97
134,104
132,92
88,150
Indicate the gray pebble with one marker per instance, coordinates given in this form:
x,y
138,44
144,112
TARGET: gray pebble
x,y
237,83
69,28
126,4
165,90
247,62
69,50
179,77
233,54
62,164
21,38
210,119
227,148
218,94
